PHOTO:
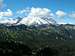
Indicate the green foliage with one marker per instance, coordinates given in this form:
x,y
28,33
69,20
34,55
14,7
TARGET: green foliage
x,y
55,37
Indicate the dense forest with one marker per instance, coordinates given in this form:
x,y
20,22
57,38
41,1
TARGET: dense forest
x,y
37,41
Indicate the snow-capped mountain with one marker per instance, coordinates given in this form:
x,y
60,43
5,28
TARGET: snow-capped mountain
x,y
38,16
29,21
37,21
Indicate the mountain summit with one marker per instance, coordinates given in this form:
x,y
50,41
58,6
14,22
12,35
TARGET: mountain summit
x,y
37,20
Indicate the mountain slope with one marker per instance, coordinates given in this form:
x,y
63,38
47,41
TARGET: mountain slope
x,y
37,20
56,32
59,37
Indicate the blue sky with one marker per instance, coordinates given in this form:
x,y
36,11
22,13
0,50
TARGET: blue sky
x,y
21,4
67,7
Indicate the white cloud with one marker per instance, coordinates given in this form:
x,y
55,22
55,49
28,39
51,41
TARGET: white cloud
x,y
7,13
60,13
39,12
4,17
35,11
7,20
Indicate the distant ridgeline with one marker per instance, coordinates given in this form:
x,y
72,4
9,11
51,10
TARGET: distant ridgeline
x,y
62,32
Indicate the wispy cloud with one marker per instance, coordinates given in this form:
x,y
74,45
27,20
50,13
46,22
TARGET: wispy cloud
x,y
6,13
71,15
7,20
23,11
5,17
60,13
